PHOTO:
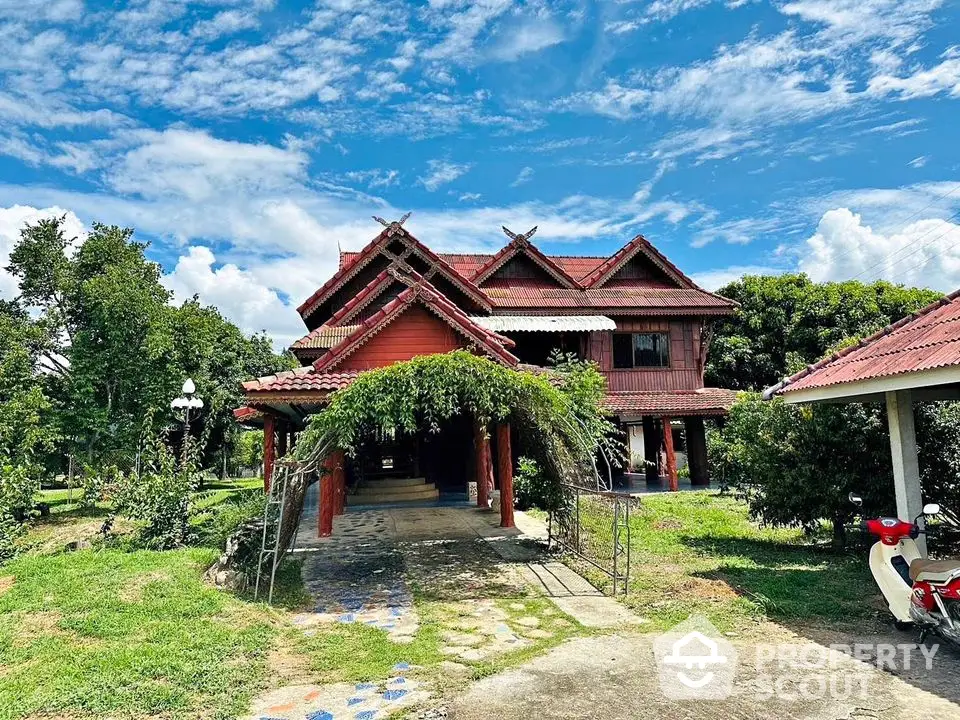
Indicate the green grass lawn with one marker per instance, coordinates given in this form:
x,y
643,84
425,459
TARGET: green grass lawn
x,y
698,552
102,632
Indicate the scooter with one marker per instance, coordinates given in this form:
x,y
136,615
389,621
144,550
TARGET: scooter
x,y
920,592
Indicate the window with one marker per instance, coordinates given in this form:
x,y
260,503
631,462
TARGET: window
x,y
632,350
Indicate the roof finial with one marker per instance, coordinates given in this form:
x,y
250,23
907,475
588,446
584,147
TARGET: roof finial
x,y
521,237
395,223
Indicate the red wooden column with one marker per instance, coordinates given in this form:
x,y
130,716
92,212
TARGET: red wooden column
x,y
269,428
505,472
339,482
481,445
671,455
327,497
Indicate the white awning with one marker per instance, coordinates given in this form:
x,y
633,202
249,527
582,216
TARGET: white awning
x,y
545,323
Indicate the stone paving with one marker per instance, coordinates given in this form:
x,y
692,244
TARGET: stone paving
x,y
478,577
359,701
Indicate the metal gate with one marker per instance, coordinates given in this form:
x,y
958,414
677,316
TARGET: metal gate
x,y
605,545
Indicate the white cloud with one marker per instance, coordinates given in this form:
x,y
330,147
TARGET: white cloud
x,y
375,178
238,294
469,197
944,77
225,22
13,220
919,162
925,253
525,175
198,166
441,172
527,37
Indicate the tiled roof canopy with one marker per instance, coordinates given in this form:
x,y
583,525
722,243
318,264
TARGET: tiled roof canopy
x,y
705,401
927,340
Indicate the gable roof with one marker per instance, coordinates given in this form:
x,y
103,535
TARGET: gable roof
x,y
639,245
422,292
929,339
521,244
353,263
588,294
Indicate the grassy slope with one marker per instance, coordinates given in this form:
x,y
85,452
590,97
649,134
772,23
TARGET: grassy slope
x,y
113,632
699,552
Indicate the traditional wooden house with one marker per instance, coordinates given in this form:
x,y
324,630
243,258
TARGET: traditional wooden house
x,y
645,324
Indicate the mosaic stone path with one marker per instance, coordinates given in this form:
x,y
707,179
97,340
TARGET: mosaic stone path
x,y
360,701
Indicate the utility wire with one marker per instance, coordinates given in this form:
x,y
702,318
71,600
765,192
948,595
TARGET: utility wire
x,y
913,242
955,188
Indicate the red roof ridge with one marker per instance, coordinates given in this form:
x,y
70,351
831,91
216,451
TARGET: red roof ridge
x,y
361,259
433,299
623,255
883,332
521,243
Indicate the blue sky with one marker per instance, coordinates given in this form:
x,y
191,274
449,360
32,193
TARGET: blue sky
x,y
249,140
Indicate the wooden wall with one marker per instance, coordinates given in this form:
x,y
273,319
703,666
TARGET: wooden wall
x,y
683,373
416,332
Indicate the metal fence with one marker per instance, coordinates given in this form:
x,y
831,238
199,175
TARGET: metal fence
x,y
595,527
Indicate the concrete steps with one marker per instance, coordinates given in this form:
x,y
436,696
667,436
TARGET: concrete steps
x,y
394,490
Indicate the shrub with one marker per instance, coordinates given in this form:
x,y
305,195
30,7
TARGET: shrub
x,y
18,485
795,465
532,490
224,519
159,496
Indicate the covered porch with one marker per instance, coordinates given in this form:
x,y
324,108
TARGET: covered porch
x,y
665,432
463,462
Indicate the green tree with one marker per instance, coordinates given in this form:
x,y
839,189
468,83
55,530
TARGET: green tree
x,y
120,351
788,321
795,465
27,434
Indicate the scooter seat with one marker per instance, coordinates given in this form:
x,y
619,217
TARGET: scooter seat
x,y
935,571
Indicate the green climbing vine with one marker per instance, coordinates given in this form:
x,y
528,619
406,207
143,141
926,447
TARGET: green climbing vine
x,y
557,413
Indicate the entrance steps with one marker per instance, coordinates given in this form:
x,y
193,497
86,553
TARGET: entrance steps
x,y
394,490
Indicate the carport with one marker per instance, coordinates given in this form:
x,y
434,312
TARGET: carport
x,y
915,359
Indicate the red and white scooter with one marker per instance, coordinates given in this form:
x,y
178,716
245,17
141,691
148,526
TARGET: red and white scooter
x,y
920,592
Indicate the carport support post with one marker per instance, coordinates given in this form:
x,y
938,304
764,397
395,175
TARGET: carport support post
x,y
269,429
906,469
505,472
671,455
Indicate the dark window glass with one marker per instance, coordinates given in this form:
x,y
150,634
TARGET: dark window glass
x,y
622,350
651,350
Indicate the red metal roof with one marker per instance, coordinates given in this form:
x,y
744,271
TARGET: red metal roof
x,y
352,263
466,265
522,244
640,299
639,245
705,401
926,340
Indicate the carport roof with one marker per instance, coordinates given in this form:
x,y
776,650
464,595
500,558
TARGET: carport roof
x,y
920,350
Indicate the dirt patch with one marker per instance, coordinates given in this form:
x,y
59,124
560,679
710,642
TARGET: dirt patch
x,y
34,625
667,524
286,666
6,582
704,588
134,590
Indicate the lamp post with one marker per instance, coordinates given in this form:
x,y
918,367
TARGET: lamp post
x,y
186,402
